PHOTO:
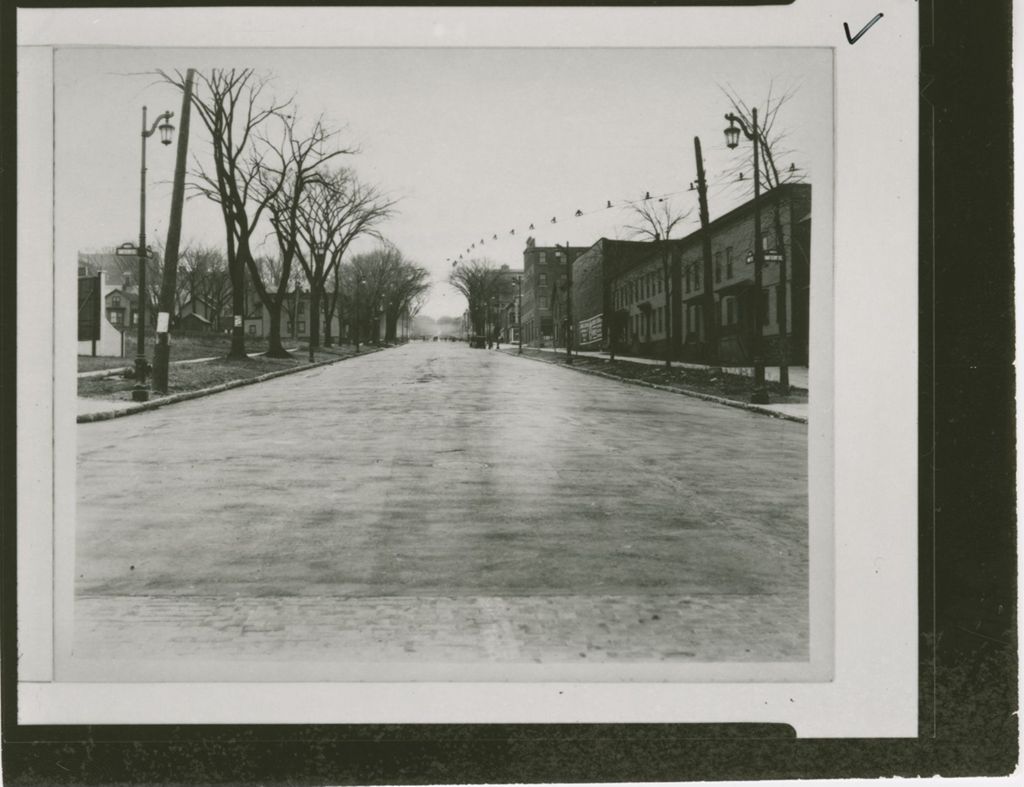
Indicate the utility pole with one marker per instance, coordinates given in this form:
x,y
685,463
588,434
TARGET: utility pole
x,y
708,301
668,306
162,353
568,304
519,316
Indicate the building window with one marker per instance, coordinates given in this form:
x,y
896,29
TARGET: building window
x,y
302,307
688,287
542,257
732,314
115,300
302,326
693,319
718,267
542,279
114,317
696,276
252,330
728,262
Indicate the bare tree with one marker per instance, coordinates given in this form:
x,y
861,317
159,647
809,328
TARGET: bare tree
x,y
231,104
394,286
297,164
654,219
480,282
197,264
335,210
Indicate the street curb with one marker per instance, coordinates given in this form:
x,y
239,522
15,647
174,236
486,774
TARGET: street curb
x,y
693,394
108,415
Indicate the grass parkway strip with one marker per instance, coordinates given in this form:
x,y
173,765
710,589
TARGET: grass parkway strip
x,y
200,380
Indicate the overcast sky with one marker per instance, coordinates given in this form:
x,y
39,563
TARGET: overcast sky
x,y
473,142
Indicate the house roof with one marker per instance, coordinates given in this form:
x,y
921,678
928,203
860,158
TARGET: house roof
x,y
131,297
194,316
651,249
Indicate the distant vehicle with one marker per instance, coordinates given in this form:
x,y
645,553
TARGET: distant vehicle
x,y
478,342
435,338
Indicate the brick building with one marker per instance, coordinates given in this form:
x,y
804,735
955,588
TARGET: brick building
x,y
785,234
544,281
601,263
620,290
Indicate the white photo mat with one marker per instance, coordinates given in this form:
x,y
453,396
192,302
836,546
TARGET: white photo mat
x,y
863,380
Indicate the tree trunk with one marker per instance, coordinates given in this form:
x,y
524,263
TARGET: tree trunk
x,y
328,339
237,352
276,349
314,316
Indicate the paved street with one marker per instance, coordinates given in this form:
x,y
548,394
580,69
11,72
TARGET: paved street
x,y
433,502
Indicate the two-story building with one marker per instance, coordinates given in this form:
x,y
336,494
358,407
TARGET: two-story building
x,y
649,297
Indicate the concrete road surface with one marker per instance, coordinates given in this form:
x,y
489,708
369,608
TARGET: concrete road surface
x,y
434,502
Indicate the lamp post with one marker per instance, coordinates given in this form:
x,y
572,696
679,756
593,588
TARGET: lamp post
x,y
732,139
140,393
519,313
355,316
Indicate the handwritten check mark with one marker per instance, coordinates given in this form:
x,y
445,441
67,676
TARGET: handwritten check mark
x,y
863,30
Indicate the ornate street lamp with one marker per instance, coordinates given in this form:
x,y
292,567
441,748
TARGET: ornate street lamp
x,y
140,393
732,139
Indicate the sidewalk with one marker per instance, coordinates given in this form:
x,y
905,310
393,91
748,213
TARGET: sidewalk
x,y
796,411
797,374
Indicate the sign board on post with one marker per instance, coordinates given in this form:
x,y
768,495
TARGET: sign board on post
x,y
89,297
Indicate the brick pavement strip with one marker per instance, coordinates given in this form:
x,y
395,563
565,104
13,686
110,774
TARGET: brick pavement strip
x,y
536,629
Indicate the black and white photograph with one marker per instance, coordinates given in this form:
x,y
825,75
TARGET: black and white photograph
x,y
434,366
428,358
